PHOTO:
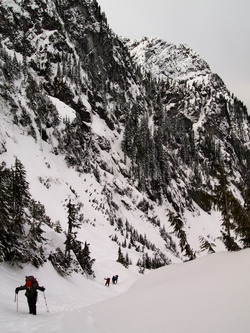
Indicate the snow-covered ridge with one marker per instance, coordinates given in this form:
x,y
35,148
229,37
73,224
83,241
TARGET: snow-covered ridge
x,y
168,60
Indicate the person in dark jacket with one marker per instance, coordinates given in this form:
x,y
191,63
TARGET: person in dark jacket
x,y
107,281
115,279
31,294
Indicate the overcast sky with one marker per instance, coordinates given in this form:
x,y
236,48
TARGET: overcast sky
x,y
218,30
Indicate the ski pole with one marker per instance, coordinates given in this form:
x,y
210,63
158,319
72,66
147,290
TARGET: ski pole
x,y
45,301
16,300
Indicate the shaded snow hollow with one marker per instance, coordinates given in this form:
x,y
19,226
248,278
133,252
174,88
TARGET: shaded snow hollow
x,y
210,294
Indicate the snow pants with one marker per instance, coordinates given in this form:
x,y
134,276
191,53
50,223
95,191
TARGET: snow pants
x,y
32,303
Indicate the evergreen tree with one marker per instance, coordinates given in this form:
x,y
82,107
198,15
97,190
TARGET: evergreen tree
x,y
206,245
146,261
84,259
124,260
72,223
72,244
241,218
178,227
222,199
225,202
60,262
20,193
20,196
5,210
120,258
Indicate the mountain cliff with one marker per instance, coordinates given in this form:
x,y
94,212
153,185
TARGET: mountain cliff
x,y
129,150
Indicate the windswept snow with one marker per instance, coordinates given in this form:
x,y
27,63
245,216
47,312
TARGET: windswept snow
x,y
210,294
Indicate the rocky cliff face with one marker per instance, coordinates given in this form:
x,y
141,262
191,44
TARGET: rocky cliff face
x,y
148,123
200,100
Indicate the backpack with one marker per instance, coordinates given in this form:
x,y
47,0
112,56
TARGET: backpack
x,y
32,279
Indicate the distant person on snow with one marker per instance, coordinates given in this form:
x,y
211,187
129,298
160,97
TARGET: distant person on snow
x,y
107,282
114,279
31,286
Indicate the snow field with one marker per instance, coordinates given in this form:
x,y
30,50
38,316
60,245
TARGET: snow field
x,y
210,294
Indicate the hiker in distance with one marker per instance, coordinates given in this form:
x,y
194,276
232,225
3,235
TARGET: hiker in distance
x,y
107,281
115,279
31,286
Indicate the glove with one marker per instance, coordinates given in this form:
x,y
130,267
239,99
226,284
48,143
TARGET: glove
x,y
42,288
17,290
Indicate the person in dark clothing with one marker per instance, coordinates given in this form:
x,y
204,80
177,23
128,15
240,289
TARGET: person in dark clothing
x,y
114,279
31,294
107,282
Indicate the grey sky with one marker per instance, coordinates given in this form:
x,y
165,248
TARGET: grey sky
x,y
218,30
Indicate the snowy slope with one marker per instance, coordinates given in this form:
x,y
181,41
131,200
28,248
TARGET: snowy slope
x,y
210,294
52,183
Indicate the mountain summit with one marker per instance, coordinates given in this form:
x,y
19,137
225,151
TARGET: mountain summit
x,y
168,61
113,150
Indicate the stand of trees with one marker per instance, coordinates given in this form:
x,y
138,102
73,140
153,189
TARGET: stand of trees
x,y
235,217
21,227
21,219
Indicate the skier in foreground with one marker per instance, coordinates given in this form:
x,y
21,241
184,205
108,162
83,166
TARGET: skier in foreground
x,y
31,286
